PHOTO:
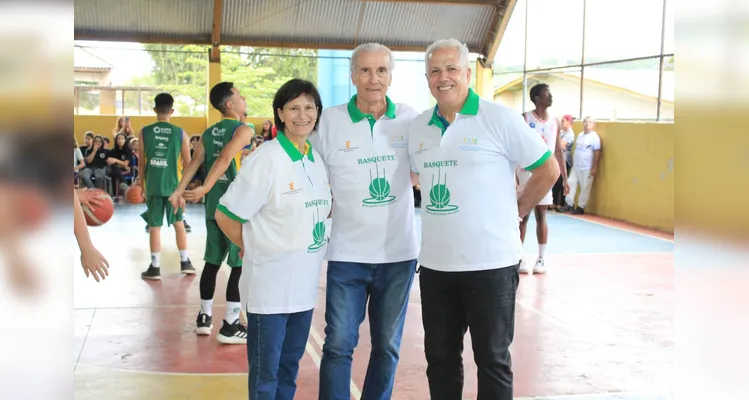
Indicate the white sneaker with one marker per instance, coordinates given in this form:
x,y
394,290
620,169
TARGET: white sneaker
x,y
540,266
524,269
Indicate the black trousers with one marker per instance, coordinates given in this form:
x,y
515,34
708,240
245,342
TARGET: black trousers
x,y
557,191
484,303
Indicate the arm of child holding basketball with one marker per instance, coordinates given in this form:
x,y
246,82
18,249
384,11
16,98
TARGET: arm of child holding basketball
x,y
242,137
92,261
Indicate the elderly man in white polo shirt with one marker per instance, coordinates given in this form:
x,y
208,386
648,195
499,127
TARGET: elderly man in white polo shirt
x,y
465,151
372,250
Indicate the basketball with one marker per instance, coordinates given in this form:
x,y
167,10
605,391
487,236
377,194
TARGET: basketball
x,y
100,214
134,195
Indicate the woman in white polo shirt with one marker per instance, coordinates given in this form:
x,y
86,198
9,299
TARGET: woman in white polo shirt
x,y
275,210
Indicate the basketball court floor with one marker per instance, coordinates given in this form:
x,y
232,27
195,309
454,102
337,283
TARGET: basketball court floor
x,y
597,326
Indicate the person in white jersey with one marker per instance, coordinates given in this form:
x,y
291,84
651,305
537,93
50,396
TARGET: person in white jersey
x,y
275,210
548,128
465,151
584,166
372,251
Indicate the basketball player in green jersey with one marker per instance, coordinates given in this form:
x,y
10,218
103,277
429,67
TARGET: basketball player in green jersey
x,y
219,147
160,146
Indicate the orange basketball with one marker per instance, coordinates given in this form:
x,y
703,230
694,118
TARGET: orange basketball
x,y
134,195
99,214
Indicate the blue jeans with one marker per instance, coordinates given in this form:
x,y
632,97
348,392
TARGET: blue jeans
x,y
275,345
350,285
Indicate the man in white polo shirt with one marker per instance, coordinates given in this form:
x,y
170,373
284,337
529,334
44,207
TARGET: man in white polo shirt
x,y
372,250
584,166
465,151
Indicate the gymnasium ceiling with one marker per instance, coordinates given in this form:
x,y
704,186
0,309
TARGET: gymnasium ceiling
x,y
402,25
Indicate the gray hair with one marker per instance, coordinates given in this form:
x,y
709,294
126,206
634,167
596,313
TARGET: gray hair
x,y
371,48
442,43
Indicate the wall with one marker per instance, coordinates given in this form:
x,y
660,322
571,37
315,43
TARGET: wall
x,y
103,124
635,181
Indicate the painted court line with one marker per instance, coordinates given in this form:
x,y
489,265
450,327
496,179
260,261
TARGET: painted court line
x,y
551,319
135,371
355,392
588,396
617,227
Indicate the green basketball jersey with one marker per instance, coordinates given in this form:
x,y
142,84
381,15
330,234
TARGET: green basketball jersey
x,y
162,144
215,138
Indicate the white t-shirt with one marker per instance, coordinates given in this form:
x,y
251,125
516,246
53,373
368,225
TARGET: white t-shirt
x,y
467,175
585,147
282,198
368,166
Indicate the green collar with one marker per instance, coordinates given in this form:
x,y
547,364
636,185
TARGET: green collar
x,y
291,149
470,107
356,114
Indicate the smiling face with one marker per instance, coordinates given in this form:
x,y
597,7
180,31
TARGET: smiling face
x,y
372,75
448,77
298,115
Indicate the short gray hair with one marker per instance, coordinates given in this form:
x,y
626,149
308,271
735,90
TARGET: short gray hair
x,y
442,43
371,48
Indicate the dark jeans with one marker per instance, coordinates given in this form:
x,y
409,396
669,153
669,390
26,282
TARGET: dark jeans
x,y
275,345
484,303
558,190
349,287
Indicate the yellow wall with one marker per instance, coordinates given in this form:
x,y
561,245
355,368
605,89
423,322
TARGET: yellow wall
x,y
635,181
104,124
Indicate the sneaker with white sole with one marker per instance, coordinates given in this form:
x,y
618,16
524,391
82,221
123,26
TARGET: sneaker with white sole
x,y
204,324
524,268
540,266
234,333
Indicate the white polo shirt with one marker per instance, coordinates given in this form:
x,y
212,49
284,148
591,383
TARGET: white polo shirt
x,y
585,147
373,204
469,219
282,198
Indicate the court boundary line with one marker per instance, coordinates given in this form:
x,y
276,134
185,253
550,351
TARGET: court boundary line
x,y
83,345
617,227
593,395
164,373
355,392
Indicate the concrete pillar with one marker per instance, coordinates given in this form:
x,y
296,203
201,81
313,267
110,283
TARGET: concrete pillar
x,y
214,77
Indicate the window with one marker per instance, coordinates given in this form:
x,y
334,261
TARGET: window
x,y
555,33
627,90
600,57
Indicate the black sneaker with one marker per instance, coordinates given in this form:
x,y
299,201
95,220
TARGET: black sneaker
x,y
186,267
188,228
204,324
234,333
578,211
151,273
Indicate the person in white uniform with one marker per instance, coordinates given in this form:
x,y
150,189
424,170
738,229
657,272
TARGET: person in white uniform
x,y
465,151
372,251
547,128
275,210
584,165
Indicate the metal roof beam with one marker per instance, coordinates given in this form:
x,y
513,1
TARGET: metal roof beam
x,y
450,2
218,14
